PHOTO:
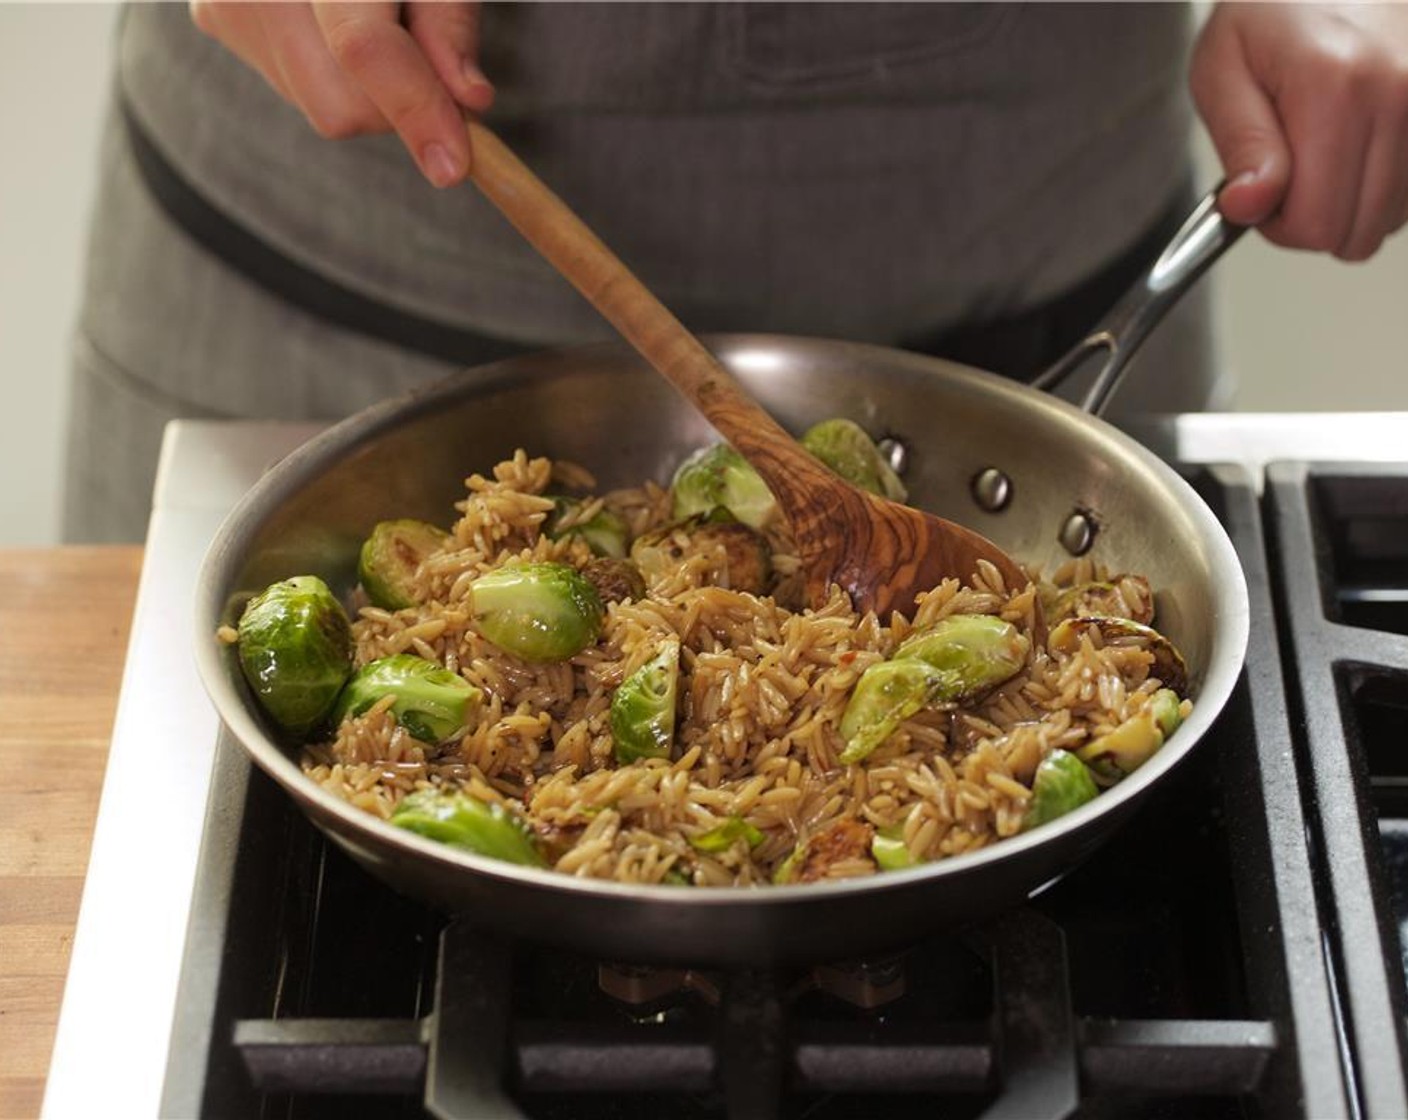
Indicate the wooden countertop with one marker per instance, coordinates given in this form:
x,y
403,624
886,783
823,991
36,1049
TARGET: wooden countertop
x,y
64,621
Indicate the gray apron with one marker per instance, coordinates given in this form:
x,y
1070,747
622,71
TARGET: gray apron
x,y
928,176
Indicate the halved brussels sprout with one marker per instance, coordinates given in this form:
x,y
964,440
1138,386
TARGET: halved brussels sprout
x,y
389,559
1122,596
886,695
537,611
721,837
746,556
643,708
462,821
432,703
1169,666
890,852
719,476
845,447
810,860
977,652
677,876
1133,742
606,532
616,581
1062,783
295,650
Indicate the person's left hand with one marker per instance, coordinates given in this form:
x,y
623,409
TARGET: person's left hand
x,y
1307,106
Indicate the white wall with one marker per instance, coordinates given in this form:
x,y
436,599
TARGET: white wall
x,y
54,72
1302,332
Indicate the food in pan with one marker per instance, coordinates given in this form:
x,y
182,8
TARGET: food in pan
x,y
627,686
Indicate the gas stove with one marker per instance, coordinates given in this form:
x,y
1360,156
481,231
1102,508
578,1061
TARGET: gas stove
x,y
1234,951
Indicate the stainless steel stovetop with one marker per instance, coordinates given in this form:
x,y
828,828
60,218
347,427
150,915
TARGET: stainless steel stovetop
x,y
114,1033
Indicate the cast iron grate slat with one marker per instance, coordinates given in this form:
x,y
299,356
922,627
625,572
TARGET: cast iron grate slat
x,y
1341,550
1038,1048
1154,980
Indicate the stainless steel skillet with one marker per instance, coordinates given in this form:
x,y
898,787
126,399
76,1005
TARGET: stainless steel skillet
x,y
603,407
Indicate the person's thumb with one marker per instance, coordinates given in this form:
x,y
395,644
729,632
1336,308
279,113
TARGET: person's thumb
x,y
1246,130
448,33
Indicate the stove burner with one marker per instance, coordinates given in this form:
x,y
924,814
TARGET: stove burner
x,y
648,989
645,987
865,984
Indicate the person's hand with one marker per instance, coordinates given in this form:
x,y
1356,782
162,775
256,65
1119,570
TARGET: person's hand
x,y
1307,106
358,68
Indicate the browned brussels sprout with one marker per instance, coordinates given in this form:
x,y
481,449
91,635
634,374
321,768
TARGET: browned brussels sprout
x,y
390,557
741,558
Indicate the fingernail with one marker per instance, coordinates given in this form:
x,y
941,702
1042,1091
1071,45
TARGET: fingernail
x,y
1244,178
441,168
478,90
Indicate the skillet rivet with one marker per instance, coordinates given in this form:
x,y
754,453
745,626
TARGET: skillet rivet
x,y
895,453
1078,533
992,489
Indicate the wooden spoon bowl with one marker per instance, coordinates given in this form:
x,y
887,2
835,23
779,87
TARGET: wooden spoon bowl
x,y
880,552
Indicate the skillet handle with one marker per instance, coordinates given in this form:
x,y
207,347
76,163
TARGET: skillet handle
x,y
1202,238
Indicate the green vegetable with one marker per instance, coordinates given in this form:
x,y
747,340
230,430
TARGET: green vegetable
x,y
844,446
643,708
743,554
814,856
466,822
1062,783
615,580
295,649
790,868
1134,742
976,652
389,559
432,703
721,837
719,476
886,695
537,611
890,852
1169,666
606,532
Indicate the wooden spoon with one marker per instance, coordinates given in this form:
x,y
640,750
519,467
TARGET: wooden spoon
x,y
880,552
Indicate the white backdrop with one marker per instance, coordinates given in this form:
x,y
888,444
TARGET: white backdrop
x,y
1300,332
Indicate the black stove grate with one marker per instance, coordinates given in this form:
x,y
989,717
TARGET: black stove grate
x,y
1180,971
1340,540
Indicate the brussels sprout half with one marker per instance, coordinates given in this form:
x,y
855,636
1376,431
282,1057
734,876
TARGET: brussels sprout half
x,y
462,821
390,557
719,476
886,695
844,446
1062,783
432,703
1130,745
722,837
890,852
537,611
643,709
976,651
295,650
606,532
1169,666
616,581
745,555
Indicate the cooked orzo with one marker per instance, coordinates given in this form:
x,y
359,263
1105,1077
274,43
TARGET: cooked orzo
x,y
679,717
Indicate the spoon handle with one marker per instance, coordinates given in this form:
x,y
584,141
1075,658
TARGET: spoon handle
x,y
551,227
